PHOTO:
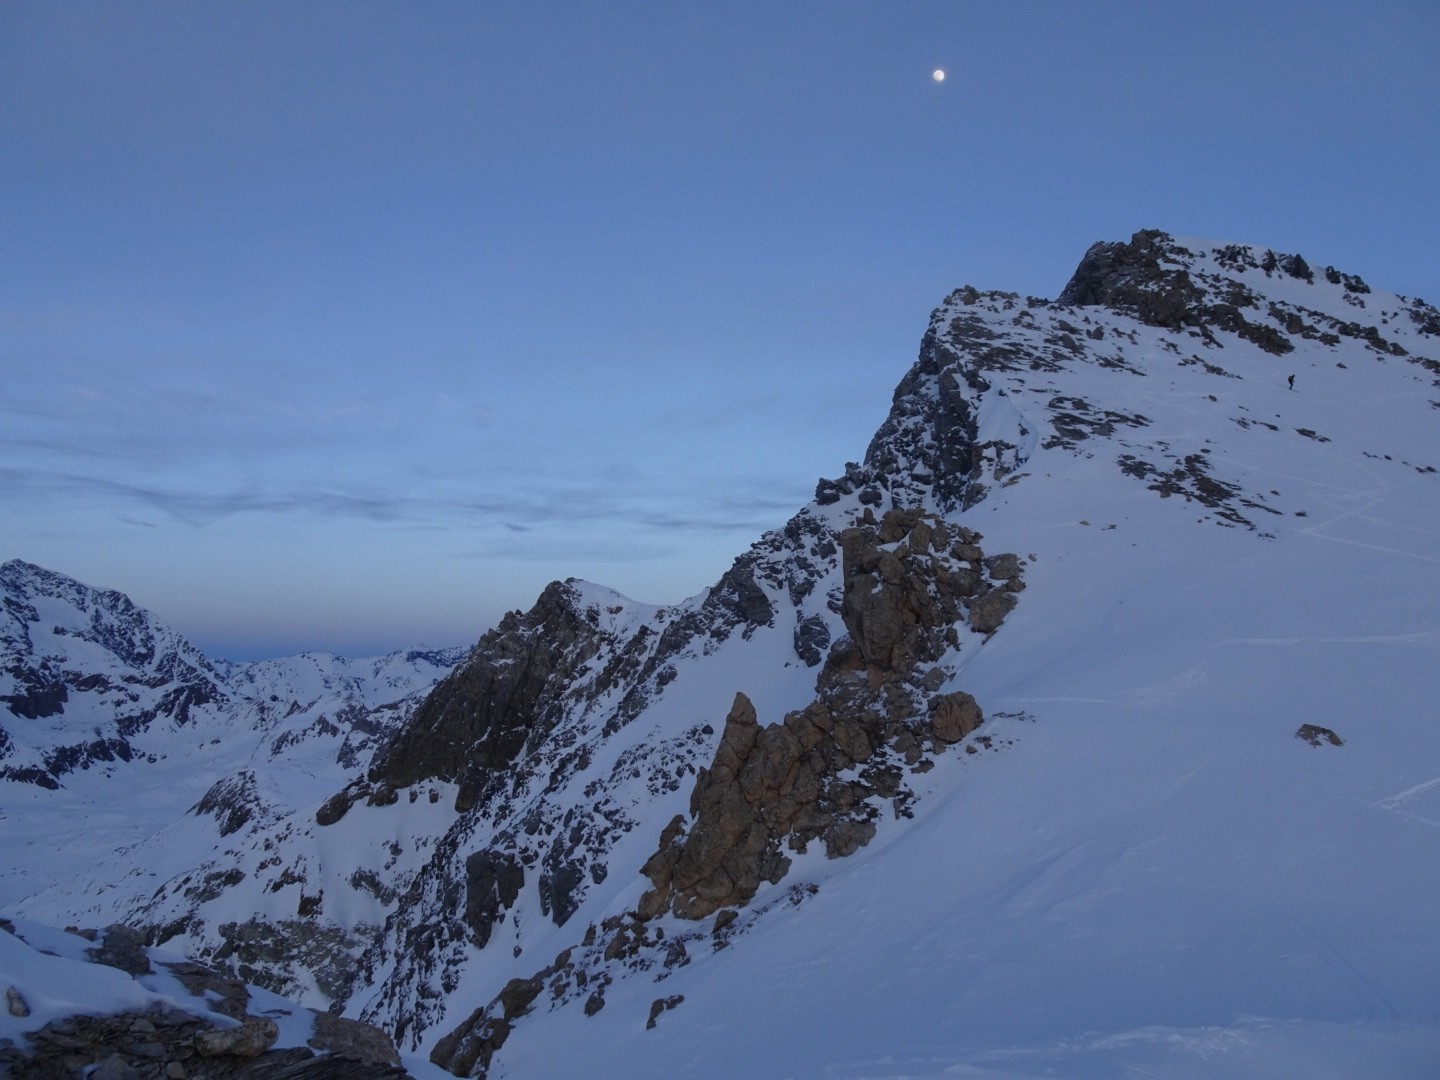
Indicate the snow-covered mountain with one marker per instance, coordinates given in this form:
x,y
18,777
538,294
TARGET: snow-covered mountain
x,y
1085,727
90,679
142,780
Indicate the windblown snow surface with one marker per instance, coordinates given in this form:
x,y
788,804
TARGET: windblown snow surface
x,y
1141,871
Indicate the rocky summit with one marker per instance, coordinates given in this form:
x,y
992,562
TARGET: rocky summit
x,y
1083,726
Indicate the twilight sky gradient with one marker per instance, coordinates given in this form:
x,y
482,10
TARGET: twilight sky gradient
x,y
348,326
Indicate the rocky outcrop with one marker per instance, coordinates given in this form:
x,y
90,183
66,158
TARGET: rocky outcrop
x,y
352,1040
169,1042
1148,278
493,880
468,1049
1316,735
120,947
822,773
928,451
910,585
1139,278
283,955
232,802
478,720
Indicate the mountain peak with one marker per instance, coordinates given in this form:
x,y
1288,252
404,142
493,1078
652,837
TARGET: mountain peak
x,y
1259,293
1148,276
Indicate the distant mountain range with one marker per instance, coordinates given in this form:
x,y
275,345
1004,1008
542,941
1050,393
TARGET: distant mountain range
x,y
1084,727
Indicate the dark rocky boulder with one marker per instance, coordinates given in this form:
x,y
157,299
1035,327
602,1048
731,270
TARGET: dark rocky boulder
x,y
1316,735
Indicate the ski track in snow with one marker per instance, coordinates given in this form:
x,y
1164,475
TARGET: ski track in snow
x,y
1376,1005
1396,804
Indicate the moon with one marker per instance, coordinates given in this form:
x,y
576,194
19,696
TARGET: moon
x,y
938,75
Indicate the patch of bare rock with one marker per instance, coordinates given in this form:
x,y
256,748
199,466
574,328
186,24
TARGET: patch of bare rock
x,y
165,1042
1315,735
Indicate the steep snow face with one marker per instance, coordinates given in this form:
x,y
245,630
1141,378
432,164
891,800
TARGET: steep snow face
x,y
1132,866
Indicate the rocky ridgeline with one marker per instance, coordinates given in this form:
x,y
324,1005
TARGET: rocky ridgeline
x,y
824,774
818,775
1159,282
525,729
995,383
1135,309
167,1042
929,451
539,668
152,675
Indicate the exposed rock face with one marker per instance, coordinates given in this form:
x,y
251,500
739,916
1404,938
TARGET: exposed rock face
x,y
812,639
534,668
353,1040
468,1049
819,773
608,658
1137,277
121,947
929,452
479,719
232,801
492,882
661,1005
953,716
278,954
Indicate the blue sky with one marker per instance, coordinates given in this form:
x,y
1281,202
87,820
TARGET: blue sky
x,y
349,326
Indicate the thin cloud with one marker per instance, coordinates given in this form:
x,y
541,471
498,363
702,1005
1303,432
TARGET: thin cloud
x,y
518,511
